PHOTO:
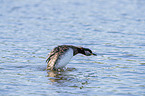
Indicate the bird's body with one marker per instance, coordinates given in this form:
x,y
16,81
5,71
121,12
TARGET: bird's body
x,y
64,59
61,55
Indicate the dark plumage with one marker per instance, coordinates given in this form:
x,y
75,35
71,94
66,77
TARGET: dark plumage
x,y
62,54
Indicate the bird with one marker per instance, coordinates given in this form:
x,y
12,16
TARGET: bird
x,y
60,56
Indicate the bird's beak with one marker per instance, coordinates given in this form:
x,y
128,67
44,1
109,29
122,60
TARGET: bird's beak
x,y
94,54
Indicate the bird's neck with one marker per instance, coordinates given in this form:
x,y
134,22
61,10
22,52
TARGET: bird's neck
x,y
78,50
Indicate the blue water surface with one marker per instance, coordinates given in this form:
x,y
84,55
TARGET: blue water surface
x,y
114,29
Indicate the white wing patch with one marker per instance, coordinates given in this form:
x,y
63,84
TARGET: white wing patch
x,y
64,59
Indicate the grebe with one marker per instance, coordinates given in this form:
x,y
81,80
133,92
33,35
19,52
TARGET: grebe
x,y
61,55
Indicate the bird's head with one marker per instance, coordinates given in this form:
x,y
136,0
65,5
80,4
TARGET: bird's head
x,y
86,52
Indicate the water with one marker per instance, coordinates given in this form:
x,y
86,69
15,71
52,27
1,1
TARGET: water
x,y
115,30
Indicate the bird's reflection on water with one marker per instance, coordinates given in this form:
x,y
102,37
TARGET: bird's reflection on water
x,y
60,76
67,78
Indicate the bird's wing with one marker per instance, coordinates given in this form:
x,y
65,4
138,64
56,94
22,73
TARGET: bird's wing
x,y
55,50
52,61
55,55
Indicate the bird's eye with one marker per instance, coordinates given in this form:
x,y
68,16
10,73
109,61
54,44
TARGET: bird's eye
x,y
87,52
